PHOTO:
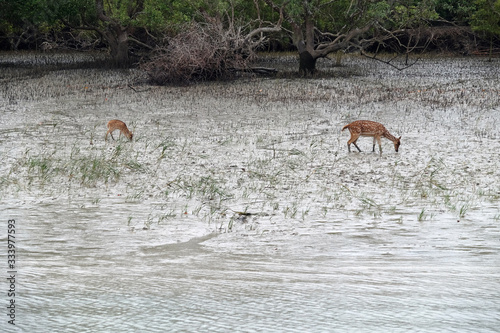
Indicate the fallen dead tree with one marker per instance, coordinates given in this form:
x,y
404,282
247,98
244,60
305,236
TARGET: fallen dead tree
x,y
206,51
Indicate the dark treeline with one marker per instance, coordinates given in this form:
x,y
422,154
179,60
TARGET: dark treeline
x,y
222,35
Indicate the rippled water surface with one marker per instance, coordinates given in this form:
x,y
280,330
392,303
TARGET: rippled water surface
x,y
238,209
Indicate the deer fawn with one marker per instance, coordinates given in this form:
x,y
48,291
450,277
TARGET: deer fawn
x,y
116,124
370,128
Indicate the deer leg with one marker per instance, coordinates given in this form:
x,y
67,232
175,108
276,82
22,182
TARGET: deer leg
x,y
106,137
349,146
353,140
373,150
379,145
355,145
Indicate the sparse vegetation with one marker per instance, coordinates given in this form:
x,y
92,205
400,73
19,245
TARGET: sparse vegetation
x,y
247,189
273,147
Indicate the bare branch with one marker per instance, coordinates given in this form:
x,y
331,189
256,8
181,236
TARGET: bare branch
x,y
388,62
260,30
87,27
138,42
283,14
342,41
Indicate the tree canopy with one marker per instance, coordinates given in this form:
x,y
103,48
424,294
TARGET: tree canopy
x,y
317,26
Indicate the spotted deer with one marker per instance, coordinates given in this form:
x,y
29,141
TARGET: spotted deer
x,y
370,128
116,124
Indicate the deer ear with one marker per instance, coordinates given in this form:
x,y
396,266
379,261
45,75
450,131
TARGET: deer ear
x,y
399,138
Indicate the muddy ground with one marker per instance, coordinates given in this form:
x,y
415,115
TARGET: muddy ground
x,y
252,166
271,148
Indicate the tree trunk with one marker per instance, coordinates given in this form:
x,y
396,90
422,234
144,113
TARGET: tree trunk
x,y
117,39
307,63
120,50
115,34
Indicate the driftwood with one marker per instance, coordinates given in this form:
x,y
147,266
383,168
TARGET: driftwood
x,y
257,70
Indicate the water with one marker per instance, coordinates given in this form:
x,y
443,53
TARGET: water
x,y
86,273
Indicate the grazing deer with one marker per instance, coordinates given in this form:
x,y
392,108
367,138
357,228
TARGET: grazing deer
x,y
370,128
116,124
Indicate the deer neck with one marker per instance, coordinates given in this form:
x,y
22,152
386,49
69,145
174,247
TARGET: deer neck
x,y
389,136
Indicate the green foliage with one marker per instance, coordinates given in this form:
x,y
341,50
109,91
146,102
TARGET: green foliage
x,y
458,11
19,13
71,11
333,16
160,16
151,14
379,11
413,13
487,17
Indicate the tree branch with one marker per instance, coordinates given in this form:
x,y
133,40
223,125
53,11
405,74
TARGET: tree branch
x,y
388,62
342,41
297,31
138,42
100,11
84,27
